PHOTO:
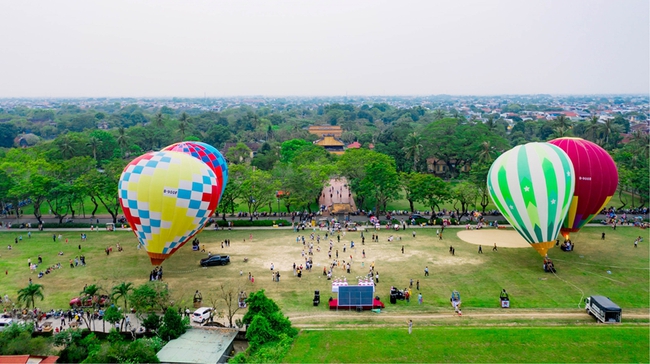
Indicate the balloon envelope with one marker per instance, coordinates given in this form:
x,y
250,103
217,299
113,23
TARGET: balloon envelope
x,y
596,180
208,155
167,197
532,186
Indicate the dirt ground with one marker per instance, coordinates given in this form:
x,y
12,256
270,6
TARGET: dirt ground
x,y
488,237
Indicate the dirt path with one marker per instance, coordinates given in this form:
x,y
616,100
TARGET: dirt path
x,y
474,317
337,192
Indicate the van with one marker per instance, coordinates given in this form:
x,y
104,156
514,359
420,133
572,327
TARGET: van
x,y
202,314
603,309
4,322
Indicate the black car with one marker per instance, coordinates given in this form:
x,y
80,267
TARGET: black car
x,y
215,260
417,216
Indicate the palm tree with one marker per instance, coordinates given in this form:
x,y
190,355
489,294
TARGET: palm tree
x,y
122,290
438,114
486,152
563,122
561,132
183,125
609,129
491,123
66,146
122,139
159,120
642,141
29,294
94,143
592,128
413,148
91,291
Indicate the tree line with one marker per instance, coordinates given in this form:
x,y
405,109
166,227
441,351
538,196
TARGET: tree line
x,y
74,154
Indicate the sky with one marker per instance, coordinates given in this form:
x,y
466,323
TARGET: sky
x,y
188,48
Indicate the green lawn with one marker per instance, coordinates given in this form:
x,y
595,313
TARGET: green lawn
x,y
584,344
479,278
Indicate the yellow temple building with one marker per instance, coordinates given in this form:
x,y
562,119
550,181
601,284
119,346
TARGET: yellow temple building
x,y
329,137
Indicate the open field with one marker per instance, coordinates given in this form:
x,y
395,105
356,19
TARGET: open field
x,y
584,344
479,278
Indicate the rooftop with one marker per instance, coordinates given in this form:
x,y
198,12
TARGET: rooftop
x,y
198,346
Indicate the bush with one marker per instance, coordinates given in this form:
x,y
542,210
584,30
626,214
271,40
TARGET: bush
x,y
173,325
242,223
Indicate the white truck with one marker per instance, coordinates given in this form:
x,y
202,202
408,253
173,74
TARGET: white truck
x,y
603,309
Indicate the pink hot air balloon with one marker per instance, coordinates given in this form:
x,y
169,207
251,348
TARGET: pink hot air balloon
x,y
596,180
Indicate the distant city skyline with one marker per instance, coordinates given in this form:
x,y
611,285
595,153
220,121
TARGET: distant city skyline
x,y
214,49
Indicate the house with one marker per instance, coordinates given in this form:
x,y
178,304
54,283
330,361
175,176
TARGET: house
x,y
440,169
205,345
254,147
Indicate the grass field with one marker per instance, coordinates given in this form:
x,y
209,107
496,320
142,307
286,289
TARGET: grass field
x,y
479,278
585,344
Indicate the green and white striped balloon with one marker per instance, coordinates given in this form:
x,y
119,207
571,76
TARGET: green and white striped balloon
x,y
532,185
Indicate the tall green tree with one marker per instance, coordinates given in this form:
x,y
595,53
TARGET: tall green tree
x,y
122,290
29,294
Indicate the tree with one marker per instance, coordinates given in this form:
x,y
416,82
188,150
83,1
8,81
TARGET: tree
x,y
258,189
229,293
464,193
173,326
122,139
113,315
183,125
592,129
29,294
239,154
122,291
149,297
431,191
152,322
233,191
413,149
381,182
94,144
289,149
92,291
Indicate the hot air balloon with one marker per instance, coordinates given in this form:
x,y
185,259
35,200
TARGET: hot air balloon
x,y
208,155
167,197
532,185
596,180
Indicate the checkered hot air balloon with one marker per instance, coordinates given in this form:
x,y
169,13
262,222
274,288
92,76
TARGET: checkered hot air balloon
x,y
596,180
208,155
532,185
167,197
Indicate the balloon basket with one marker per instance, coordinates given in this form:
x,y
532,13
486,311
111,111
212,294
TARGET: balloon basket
x,y
197,304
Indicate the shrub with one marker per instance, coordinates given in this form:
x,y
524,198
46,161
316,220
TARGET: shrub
x,y
242,223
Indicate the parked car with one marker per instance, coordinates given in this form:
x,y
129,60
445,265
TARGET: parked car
x,y
215,260
88,301
417,216
4,322
202,314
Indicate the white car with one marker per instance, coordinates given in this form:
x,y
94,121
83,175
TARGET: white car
x,y
202,314
4,322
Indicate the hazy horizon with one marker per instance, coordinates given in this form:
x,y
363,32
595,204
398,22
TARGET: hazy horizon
x,y
196,49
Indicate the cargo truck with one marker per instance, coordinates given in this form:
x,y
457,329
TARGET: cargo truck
x,y
603,309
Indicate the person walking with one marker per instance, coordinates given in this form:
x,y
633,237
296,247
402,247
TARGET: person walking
x,y
417,285
402,249
602,237
495,248
420,298
426,271
410,325
480,249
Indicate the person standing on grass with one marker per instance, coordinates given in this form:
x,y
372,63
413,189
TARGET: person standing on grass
x,y
420,298
426,271
480,249
417,285
410,325
495,248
